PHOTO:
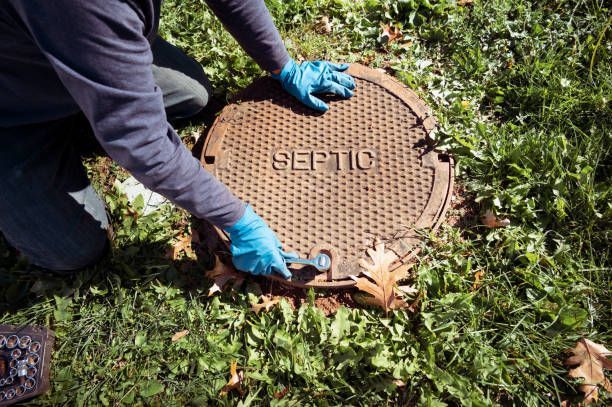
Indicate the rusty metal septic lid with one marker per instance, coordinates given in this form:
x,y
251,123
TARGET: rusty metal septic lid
x,y
334,182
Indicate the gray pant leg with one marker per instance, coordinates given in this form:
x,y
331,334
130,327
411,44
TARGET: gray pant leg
x,y
48,209
181,79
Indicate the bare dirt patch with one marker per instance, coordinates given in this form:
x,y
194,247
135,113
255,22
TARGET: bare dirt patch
x,y
463,211
327,301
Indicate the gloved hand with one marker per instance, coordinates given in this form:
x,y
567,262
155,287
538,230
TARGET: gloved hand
x,y
308,78
255,248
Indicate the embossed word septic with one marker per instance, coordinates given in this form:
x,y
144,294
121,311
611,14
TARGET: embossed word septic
x,y
324,160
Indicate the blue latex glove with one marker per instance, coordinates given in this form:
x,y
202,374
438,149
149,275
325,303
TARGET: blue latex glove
x,y
308,78
255,248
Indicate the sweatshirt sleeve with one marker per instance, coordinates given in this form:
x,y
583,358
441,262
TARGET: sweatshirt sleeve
x,y
101,55
250,23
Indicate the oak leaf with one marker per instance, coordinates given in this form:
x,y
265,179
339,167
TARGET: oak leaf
x,y
267,303
180,335
490,220
381,280
222,274
590,359
235,381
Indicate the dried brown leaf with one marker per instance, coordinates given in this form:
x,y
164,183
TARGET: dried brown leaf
x,y
323,26
180,335
590,359
362,298
465,2
490,220
407,45
591,393
414,306
478,279
235,381
369,300
281,393
381,281
390,34
222,274
183,244
267,303
408,289
119,364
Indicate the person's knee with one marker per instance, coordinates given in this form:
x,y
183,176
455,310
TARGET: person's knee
x,y
184,95
182,80
196,98
70,256
196,89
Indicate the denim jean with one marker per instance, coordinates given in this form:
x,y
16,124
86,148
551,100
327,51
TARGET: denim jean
x,y
48,208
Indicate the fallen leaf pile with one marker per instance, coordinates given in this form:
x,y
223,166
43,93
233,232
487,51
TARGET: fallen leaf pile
x,y
235,381
267,303
381,281
222,274
590,359
490,220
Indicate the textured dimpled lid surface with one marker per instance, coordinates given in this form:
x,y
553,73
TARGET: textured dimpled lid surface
x,y
338,181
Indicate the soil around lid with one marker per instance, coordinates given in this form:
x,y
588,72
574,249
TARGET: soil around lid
x,y
328,303
334,182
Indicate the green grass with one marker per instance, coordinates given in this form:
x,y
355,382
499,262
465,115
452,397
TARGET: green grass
x,y
522,93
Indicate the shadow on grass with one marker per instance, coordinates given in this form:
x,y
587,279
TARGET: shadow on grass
x,y
24,286
129,265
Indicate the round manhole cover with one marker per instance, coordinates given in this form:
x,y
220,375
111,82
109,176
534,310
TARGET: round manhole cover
x,y
338,181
